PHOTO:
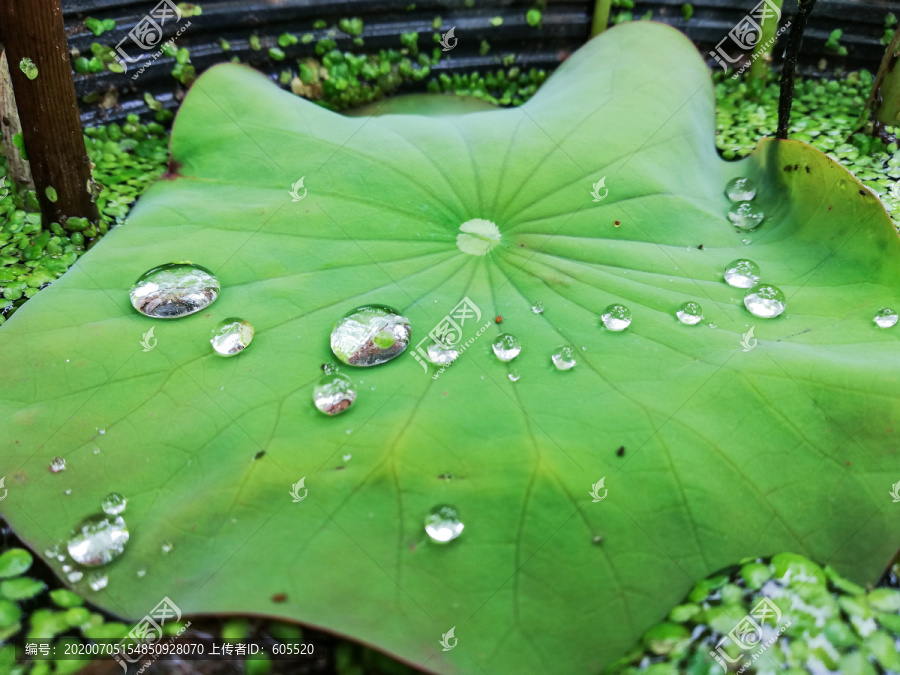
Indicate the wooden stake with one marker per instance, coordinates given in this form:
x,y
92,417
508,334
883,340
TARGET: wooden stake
x,y
48,107
19,170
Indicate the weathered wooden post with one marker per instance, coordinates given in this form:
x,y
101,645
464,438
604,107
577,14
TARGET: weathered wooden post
x,y
48,107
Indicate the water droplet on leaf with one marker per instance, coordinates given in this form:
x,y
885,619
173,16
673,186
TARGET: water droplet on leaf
x,y
885,318
690,313
439,356
442,524
174,290
506,347
98,539
166,547
231,336
741,189
334,393
370,335
57,464
113,504
538,308
97,582
616,317
742,273
563,358
745,217
765,301
514,376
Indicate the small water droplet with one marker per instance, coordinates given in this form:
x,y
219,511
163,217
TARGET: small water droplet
x,y
616,317
370,335
97,581
166,547
347,457
563,358
440,356
442,524
334,393
231,336
506,347
742,273
140,573
57,464
174,290
331,367
74,576
885,318
742,215
113,504
98,539
514,376
68,492
741,189
765,301
746,241
690,313
101,431
538,308
96,451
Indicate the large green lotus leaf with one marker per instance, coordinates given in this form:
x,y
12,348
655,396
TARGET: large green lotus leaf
x,y
727,453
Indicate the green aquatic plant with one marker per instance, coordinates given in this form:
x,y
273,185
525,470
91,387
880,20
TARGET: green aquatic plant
x,y
604,466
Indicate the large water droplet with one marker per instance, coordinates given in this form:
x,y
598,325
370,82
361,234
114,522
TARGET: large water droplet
x,y
742,273
231,336
174,290
538,308
563,358
334,393
439,356
690,313
57,464
442,524
97,581
741,189
744,216
370,335
97,540
885,318
765,301
113,504
616,317
506,347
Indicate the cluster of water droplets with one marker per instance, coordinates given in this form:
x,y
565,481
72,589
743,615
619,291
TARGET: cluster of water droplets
x,y
743,215
764,301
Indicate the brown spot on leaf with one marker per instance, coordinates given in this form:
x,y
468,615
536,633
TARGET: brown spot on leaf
x,y
621,451
279,597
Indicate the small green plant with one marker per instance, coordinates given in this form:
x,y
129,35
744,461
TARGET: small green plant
x,y
833,43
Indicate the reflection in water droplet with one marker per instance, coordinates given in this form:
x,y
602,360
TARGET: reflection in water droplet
x,y
166,547
98,539
370,335
506,347
514,376
174,290
742,273
57,464
97,581
113,504
765,301
443,524
885,318
231,336
745,217
538,308
690,313
741,189
563,358
440,356
616,317
334,393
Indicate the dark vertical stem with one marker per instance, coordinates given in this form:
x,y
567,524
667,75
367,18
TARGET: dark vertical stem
x,y
791,51
48,108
